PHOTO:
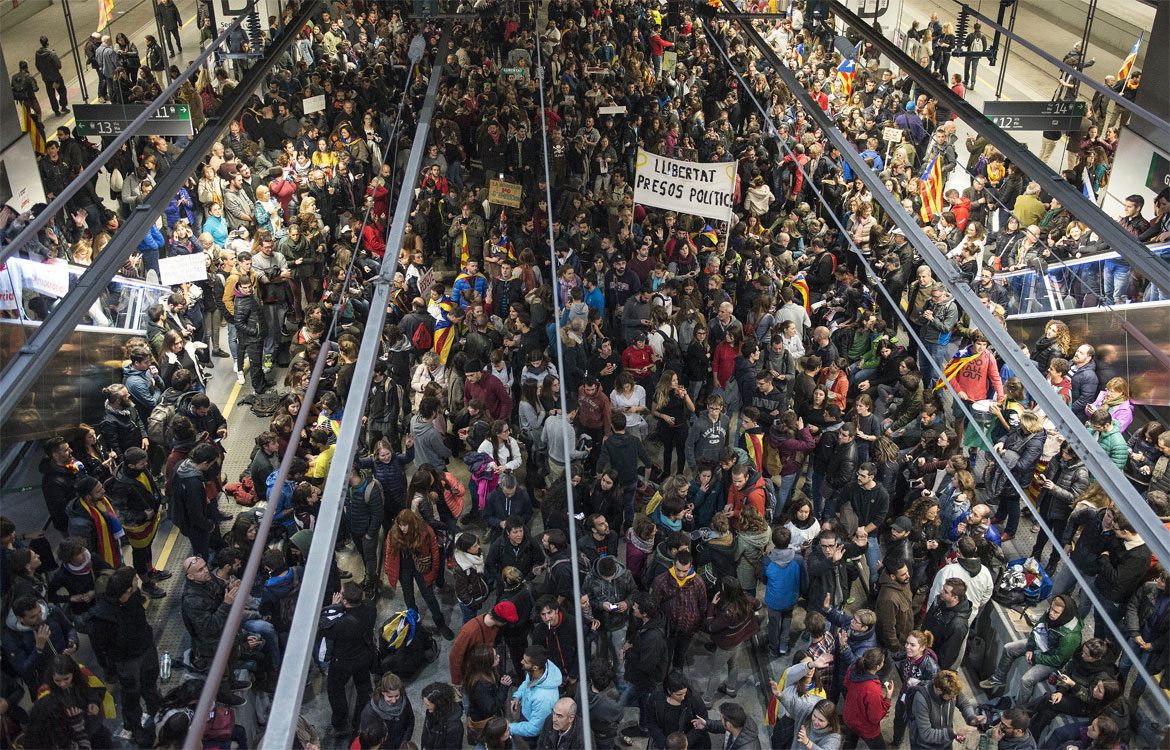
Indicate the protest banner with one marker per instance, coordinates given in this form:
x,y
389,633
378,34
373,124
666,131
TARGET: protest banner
x,y
684,186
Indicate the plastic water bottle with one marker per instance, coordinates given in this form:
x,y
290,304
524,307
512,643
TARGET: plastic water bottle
x,y
164,668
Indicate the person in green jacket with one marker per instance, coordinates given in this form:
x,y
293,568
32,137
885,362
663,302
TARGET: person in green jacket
x,y
1109,437
1047,648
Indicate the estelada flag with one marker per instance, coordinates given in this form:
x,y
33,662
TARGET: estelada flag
x,y
1130,59
847,71
800,288
932,190
28,124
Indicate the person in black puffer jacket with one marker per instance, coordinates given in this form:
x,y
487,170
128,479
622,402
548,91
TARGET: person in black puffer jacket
x,y
1065,478
250,332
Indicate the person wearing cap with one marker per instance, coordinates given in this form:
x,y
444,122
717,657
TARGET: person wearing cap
x,y
909,120
483,385
481,630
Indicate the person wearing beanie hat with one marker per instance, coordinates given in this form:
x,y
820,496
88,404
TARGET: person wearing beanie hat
x,y
477,631
486,386
92,518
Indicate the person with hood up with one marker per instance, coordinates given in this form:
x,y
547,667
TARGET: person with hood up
x,y
34,633
533,701
917,665
391,704
968,568
932,713
429,445
868,700
709,433
1050,645
785,578
611,587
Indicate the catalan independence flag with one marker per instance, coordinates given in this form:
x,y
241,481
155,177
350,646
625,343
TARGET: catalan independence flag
x,y
708,235
107,708
446,331
800,54
29,124
953,367
846,72
1130,59
800,288
932,189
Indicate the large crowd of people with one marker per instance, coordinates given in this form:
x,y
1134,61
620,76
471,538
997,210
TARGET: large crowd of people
x,y
754,454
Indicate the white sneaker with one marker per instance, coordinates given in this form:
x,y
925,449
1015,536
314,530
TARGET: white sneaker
x,y
240,377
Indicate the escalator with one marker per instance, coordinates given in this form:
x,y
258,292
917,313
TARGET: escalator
x,y
70,388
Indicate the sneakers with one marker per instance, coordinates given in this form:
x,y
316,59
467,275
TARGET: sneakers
x,y
267,362
153,590
446,633
219,353
992,684
240,377
160,575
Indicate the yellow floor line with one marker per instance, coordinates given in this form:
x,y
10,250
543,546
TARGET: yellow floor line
x,y
173,537
231,404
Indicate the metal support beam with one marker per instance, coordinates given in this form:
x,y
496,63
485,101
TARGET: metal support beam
x,y
1154,268
42,345
1104,471
290,689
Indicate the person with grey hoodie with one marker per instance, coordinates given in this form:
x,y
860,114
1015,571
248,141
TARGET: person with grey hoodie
x,y
710,432
610,587
806,707
429,446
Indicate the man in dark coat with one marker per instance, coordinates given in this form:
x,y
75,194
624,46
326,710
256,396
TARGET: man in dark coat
x,y
646,654
123,638
947,620
137,500
350,639
561,730
58,476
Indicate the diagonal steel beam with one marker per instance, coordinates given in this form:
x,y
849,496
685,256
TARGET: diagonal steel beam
x,y
290,689
24,368
1154,268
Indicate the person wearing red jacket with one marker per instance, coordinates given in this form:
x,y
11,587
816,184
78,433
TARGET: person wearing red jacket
x,y
867,700
747,488
483,385
412,556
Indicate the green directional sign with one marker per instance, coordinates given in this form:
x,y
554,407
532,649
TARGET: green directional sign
x,y
112,119
512,71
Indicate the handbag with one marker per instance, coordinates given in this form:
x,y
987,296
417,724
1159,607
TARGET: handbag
x,y
221,724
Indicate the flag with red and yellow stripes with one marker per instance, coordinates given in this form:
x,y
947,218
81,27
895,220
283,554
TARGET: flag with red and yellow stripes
x,y
105,13
932,190
28,124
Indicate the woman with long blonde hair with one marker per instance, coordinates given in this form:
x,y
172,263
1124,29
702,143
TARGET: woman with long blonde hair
x,y
412,556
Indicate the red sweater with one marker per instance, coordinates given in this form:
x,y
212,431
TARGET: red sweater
x,y
865,705
723,363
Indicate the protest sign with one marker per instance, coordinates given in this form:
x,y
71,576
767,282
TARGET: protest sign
x,y
684,186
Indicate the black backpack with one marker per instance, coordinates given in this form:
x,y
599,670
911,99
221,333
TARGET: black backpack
x,y
264,405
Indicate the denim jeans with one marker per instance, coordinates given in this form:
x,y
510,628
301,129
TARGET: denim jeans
x,y
814,491
936,353
628,493
468,612
274,318
265,630
1031,678
970,71
233,343
873,554
1117,285
779,627
1009,509
784,491
407,583
1126,664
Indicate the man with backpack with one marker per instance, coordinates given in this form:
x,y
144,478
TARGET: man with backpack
x,y
363,513
25,87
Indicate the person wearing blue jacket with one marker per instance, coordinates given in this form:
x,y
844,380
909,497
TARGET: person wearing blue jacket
x,y
855,634
149,247
786,578
389,468
180,207
471,279
533,701
506,500
215,225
